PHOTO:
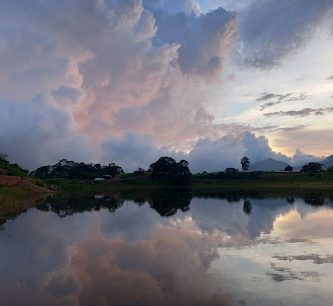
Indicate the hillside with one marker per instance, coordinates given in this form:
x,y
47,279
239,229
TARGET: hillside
x,y
6,168
328,162
269,164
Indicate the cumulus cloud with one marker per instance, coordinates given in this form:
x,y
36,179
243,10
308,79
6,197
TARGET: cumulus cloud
x,y
210,155
34,133
126,68
122,79
272,30
133,151
217,154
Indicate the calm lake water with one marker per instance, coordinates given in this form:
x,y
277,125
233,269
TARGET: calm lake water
x,y
170,249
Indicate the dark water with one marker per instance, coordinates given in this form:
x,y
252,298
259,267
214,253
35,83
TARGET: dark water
x,y
169,249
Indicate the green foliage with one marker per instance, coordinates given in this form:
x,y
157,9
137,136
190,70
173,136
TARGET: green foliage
x,y
11,169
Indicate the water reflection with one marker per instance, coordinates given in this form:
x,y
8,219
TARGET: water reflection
x,y
169,248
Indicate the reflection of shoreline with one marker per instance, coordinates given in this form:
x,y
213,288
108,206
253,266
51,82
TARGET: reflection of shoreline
x,y
166,202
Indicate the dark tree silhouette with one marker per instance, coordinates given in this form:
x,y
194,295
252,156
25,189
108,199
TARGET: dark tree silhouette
x,y
74,170
168,167
245,162
312,168
289,168
139,172
231,171
247,207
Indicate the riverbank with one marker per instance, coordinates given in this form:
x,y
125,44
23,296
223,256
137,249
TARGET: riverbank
x,y
20,193
17,193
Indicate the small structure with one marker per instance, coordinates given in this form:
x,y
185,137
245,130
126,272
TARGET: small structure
x,y
107,177
99,180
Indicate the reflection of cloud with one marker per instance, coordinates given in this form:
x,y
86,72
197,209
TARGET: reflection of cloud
x,y
282,274
211,215
170,269
315,258
314,224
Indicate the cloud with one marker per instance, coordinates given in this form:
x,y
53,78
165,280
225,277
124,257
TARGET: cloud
x,y
275,99
330,78
216,155
128,80
174,6
272,30
126,68
315,258
207,154
133,151
302,112
35,133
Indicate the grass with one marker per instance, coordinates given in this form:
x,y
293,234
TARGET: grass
x,y
14,200
12,169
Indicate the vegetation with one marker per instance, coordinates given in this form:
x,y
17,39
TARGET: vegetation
x,y
289,168
6,168
167,167
73,170
312,168
245,163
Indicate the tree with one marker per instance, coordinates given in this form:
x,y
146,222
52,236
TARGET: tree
x,y
330,169
312,168
168,167
245,162
113,169
289,168
231,171
3,156
139,172
162,167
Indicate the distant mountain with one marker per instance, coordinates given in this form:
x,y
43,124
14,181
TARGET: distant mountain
x,y
269,164
328,162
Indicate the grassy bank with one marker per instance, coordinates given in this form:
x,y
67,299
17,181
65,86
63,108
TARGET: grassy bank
x,y
22,193
18,193
282,183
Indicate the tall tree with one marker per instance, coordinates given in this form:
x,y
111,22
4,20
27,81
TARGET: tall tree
x,y
312,167
245,162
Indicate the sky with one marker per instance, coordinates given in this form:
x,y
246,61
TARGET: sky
x,y
128,81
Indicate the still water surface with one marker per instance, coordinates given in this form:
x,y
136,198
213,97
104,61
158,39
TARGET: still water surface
x,y
172,250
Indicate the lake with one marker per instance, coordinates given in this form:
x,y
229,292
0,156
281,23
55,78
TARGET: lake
x,y
169,248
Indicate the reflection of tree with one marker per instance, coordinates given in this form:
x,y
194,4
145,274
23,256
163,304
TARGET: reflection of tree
x,y
167,203
314,200
291,200
66,206
247,207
